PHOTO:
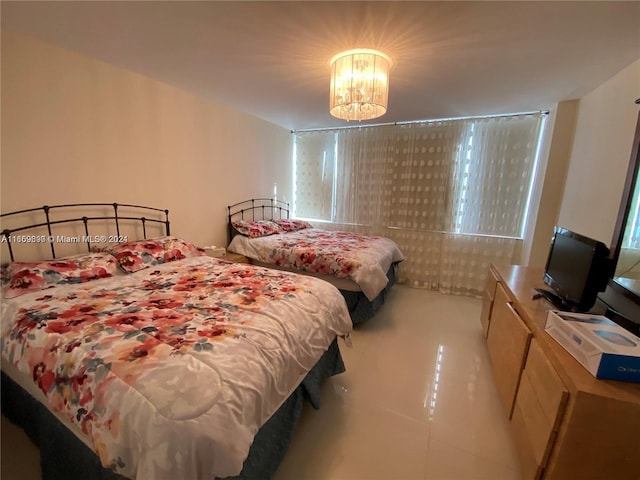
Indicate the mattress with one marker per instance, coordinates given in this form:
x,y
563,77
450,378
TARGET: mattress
x,y
170,372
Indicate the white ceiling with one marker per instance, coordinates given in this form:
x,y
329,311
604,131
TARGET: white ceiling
x,y
270,59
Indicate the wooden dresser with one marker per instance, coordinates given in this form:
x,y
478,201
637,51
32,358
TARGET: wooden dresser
x,y
566,423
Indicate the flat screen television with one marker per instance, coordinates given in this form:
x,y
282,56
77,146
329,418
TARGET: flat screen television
x,y
577,268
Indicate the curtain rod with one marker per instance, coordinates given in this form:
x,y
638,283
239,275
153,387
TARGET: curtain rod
x,y
542,112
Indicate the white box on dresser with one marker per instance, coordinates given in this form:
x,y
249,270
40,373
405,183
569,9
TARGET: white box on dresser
x,y
602,346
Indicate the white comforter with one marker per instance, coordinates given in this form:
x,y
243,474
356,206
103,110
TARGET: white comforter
x,y
365,259
170,372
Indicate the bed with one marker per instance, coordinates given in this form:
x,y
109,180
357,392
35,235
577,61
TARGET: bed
x,y
362,267
149,359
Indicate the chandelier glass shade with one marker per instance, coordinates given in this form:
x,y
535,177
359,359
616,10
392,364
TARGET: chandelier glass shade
x,y
359,84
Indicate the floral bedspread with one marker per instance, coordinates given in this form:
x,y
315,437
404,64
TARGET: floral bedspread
x,y
170,372
361,258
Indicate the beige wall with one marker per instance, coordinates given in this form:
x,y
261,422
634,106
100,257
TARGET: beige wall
x,y
559,142
600,156
78,130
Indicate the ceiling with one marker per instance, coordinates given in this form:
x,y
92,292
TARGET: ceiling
x,y
270,59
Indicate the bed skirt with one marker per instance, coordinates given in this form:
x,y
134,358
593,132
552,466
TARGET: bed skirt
x,y
360,307
64,457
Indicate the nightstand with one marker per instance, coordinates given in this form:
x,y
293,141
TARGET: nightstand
x,y
235,257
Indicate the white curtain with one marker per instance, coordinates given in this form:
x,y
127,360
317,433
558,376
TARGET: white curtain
x,y
452,194
493,174
314,175
362,194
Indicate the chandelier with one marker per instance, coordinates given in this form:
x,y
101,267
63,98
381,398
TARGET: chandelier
x,y
359,84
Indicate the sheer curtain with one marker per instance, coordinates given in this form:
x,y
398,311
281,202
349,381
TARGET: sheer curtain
x,y
452,194
314,174
493,174
491,188
363,198
421,207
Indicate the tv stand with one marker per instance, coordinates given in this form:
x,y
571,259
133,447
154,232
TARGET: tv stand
x,y
554,299
565,422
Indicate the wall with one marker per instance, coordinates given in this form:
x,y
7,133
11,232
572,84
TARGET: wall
x,y
559,142
77,130
601,150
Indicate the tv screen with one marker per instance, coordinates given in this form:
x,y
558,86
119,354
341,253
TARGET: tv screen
x,y
577,268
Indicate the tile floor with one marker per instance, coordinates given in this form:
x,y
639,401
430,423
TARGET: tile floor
x,y
417,402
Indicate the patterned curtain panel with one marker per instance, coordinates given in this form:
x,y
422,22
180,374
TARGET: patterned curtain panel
x,y
314,175
492,178
452,194
421,178
423,252
365,156
465,261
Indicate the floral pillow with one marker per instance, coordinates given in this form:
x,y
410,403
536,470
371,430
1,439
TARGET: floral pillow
x,y
26,277
177,249
291,225
258,228
134,256
4,273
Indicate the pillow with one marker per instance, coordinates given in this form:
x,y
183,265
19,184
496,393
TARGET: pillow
x,y
26,277
255,229
291,225
134,256
177,249
4,274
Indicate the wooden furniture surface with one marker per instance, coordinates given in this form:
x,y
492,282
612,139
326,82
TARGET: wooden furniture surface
x,y
487,301
538,411
567,424
508,342
235,257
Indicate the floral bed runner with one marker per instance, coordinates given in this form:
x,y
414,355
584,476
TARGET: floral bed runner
x,y
170,372
362,258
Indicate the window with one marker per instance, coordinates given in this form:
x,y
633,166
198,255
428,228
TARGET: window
x,y
314,182
466,176
453,194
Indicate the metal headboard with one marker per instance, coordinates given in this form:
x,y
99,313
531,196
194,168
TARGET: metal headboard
x,y
9,233
256,209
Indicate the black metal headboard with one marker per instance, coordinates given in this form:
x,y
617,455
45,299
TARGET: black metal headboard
x,y
14,235
256,209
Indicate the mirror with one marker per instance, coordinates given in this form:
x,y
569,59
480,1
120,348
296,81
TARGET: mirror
x,y
626,239
622,296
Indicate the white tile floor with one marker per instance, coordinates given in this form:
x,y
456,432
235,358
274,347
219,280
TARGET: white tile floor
x,y
417,402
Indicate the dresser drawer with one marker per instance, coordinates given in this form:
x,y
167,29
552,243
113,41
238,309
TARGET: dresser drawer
x,y
530,467
487,301
538,410
485,314
547,385
508,344
492,283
